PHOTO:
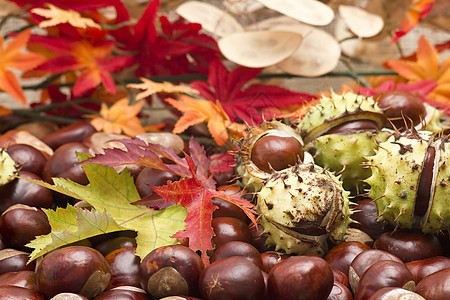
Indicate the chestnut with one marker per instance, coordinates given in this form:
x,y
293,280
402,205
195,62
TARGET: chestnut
x,y
227,209
124,266
342,255
403,109
395,293
12,260
68,296
232,278
366,216
409,245
75,132
227,229
22,191
115,243
28,158
171,270
365,260
238,248
435,286
301,277
20,224
276,152
39,128
124,293
339,276
340,292
64,163
77,269
259,238
424,267
26,279
150,176
385,273
271,258
12,292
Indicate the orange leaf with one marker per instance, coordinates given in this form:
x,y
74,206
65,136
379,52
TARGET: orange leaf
x,y
151,87
198,111
12,57
4,111
119,118
61,16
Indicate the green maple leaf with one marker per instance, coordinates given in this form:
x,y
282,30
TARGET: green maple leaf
x,y
111,195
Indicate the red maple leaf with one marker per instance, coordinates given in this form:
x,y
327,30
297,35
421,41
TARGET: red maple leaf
x,y
89,56
169,52
241,101
192,194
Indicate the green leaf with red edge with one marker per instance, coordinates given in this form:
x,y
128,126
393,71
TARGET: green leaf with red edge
x,y
193,195
243,101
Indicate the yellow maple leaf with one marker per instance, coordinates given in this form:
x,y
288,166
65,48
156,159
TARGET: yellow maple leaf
x,y
197,111
150,87
60,16
426,66
119,118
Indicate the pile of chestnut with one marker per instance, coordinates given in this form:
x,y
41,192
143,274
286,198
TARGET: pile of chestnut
x,y
390,264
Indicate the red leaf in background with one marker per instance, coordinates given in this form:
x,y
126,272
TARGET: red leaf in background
x,y
169,52
416,12
244,102
221,163
83,55
196,198
78,5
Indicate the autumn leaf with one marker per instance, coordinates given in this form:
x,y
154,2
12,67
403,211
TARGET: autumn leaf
x,y
196,198
426,66
78,5
61,16
197,111
241,100
119,118
91,58
11,57
115,193
415,13
151,87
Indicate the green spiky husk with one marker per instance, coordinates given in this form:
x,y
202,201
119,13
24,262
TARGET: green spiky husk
x,y
396,170
304,194
344,155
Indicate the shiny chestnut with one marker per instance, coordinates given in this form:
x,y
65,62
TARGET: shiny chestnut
x,y
75,132
77,269
12,260
28,158
124,265
238,248
171,270
435,286
227,229
424,267
342,255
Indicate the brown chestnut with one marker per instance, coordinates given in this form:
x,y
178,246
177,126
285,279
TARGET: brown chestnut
x,y
75,132
12,260
424,267
115,243
171,270
227,209
26,279
12,292
395,293
150,176
77,269
227,229
27,158
276,152
271,258
403,109
435,286
339,276
22,191
409,245
238,248
124,293
365,260
232,278
366,216
301,277
385,273
342,255
340,292
124,265
20,224
68,296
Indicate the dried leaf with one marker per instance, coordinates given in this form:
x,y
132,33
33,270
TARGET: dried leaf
x,y
151,87
211,18
416,12
307,11
119,118
62,16
8,169
259,49
11,57
360,22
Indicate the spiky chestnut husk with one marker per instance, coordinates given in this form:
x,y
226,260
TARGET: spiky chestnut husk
x,y
251,176
343,152
303,208
8,168
395,183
